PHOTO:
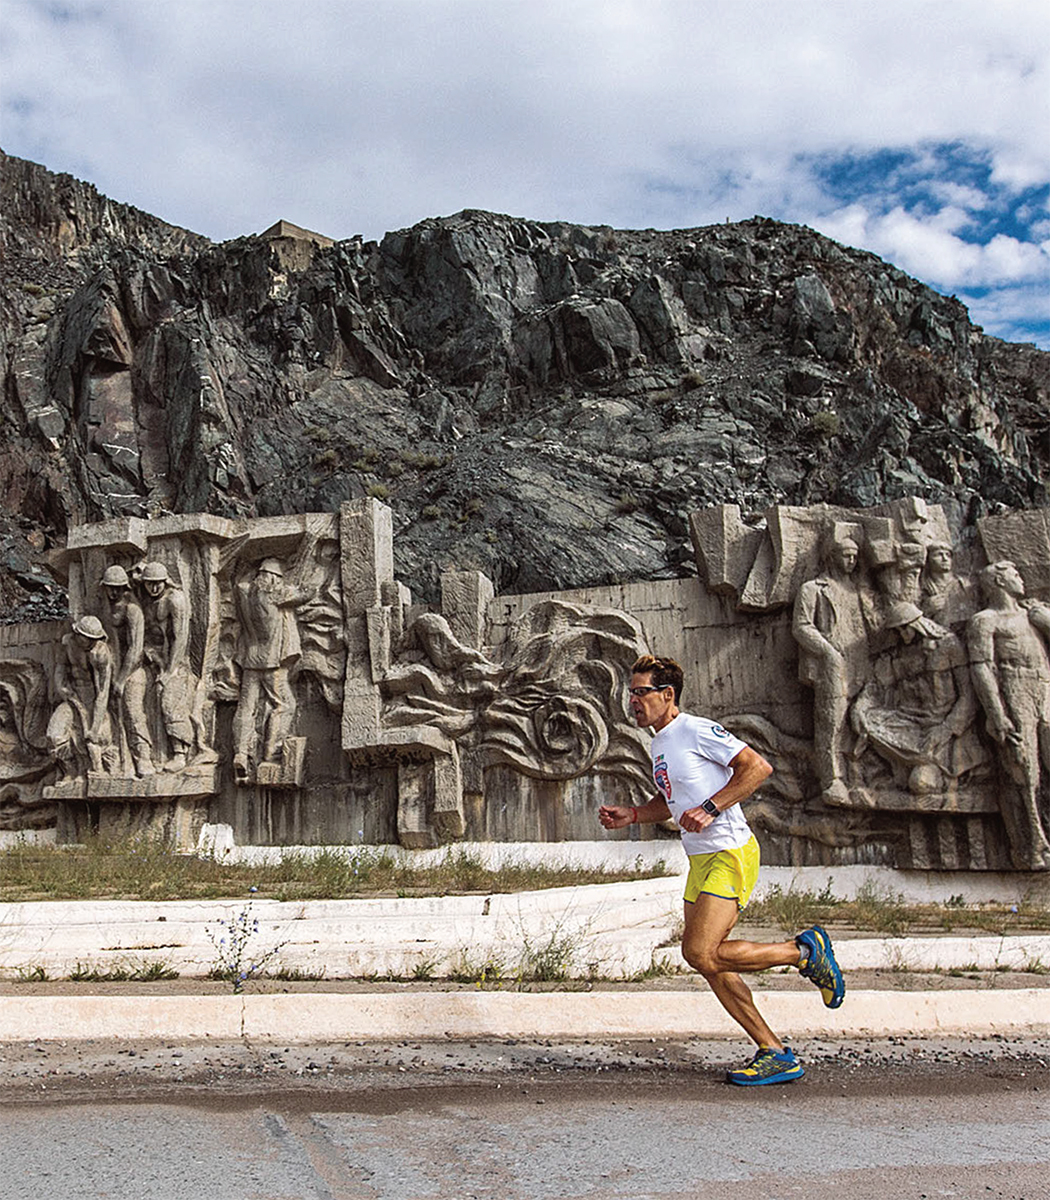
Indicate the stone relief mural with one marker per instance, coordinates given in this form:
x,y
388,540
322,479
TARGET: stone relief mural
x,y
209,662
273,674
926,682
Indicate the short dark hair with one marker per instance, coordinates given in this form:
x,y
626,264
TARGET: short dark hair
x,y
665,672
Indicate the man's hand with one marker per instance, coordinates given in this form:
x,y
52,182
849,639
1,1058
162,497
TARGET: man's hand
x,y
616,816
695,819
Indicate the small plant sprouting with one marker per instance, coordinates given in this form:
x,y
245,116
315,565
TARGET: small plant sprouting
x,y
235,963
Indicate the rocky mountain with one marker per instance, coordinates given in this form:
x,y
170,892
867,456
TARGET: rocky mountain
x,y
545,402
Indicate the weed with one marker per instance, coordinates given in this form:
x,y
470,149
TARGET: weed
x,y
627,503
234,963
879,909
297,974
465,968
658,968
424,968
142,972
32,975
378,491
327,460
825,424
554,957
430,512
788,910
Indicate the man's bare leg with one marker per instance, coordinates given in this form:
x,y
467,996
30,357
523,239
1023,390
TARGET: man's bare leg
x,y
708,923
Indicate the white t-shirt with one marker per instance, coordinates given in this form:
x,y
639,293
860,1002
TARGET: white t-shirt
x,y
691,758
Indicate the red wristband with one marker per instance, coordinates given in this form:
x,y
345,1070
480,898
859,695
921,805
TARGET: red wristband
x,y
634,815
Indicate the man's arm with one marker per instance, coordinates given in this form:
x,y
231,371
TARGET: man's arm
x,y
617,816
750,771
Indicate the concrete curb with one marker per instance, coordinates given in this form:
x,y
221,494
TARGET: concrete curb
x,y
320,1017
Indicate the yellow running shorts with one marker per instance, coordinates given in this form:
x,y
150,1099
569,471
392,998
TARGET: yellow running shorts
x,y
731,874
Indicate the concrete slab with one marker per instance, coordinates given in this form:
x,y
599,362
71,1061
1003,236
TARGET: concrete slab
x,y
320,1017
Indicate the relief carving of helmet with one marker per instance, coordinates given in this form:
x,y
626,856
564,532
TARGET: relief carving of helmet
x,y
115,577
902,612
90,627
271,566
154,572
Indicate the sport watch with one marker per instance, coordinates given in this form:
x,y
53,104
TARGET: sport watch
x,y
709,806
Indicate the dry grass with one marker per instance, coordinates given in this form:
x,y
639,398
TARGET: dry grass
x,y
139,869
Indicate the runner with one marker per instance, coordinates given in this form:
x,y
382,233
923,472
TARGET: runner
x,y
702,773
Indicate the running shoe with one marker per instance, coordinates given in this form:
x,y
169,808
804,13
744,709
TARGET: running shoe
x,y
768,1066
820,965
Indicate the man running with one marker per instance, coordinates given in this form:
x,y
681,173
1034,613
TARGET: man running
x,y
702,773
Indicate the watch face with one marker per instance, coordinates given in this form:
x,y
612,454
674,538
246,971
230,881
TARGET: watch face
x,y
709,806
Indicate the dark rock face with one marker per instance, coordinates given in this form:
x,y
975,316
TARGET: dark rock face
x,y
544,402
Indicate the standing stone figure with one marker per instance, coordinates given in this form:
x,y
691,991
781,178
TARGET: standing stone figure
x,y
79,733
828,624
167,636
1011,675
125,625
945,597
268,654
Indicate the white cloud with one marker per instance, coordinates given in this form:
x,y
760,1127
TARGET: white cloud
x,y
366,115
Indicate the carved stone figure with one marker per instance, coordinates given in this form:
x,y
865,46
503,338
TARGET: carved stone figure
x,y
125,625
80,733
1011,674
918,709
268,654
945,597
167,634
828,624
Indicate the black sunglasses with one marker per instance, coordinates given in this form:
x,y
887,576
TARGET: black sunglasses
x,y
641,691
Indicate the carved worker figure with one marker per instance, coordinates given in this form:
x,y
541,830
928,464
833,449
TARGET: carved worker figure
x,y
268,654
828,624
945,597
125,626
79,733
919,708
167,637
1011,674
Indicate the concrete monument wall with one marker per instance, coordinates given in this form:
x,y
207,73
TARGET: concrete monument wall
x,y
275,676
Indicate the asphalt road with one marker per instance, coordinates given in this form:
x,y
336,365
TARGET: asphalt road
x,y
873,1120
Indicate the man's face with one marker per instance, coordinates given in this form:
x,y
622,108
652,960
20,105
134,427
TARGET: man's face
x,y
940,558
1010,580
116,594
844,556
154,587
651,707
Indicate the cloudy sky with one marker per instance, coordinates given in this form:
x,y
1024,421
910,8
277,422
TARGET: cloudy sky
x,y
918,130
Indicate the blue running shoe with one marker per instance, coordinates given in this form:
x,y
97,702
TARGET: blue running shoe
x,y
820,965
768,1066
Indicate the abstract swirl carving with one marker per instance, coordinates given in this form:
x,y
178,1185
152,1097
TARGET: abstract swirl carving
x,y
552,707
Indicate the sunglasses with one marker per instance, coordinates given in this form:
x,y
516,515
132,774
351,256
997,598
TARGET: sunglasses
x,y
643,691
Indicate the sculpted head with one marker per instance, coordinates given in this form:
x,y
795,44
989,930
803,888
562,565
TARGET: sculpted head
x,y
1002,576
939,557
154,578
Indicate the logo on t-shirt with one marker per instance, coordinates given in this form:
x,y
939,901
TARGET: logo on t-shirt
x,y
720,731
662,778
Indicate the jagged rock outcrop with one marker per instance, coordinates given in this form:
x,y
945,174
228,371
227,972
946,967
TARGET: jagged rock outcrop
x,y
544,402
